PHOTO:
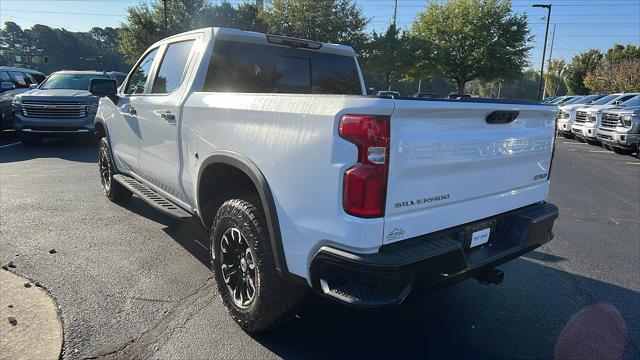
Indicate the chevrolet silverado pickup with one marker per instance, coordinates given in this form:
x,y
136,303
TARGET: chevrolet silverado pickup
x,y
304,181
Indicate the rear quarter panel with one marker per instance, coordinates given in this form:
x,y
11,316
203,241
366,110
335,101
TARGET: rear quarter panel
x,y
293,139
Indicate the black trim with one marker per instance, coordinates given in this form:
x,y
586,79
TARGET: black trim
x,y
268,204
428,262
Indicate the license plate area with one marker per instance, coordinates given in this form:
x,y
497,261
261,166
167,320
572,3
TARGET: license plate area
x,y
480,235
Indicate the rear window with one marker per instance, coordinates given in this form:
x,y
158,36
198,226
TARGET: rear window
x,y
256,68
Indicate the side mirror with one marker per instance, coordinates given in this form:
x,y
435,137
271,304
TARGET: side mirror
x,y
103,87
5,85
33,86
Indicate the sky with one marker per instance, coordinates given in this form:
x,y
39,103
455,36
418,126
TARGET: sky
x,y
580,25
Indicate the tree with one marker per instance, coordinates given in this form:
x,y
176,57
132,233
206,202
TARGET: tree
x,y
581,65
472,39
610,77
389,55
620,53
145,22
554,78
335,21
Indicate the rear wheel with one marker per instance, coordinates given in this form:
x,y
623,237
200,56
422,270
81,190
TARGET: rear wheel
x,y
112,189
242,261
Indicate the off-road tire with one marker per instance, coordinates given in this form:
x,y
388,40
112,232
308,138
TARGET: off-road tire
x,y
275,299
112,189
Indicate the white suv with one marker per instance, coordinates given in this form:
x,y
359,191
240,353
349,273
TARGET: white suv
x,y
306,182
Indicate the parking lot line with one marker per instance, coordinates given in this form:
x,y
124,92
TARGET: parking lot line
x,y
4,146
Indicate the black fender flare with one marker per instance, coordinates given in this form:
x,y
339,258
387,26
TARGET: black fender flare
x,y
252,171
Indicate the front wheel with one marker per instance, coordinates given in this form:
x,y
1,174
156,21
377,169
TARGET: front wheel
x,y
242,261
112,189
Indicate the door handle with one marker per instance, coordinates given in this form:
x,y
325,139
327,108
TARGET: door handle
x,y
132,111
168,117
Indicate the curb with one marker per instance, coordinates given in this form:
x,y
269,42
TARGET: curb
x,y
30,325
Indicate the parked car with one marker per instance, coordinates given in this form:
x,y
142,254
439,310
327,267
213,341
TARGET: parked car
x,y
567,114
393,94
59,107
289,167
14,81
423,95
588,117
563,99
620,127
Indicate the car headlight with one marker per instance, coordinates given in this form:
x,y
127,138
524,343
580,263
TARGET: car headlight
x,y
16,102
627,119
592,117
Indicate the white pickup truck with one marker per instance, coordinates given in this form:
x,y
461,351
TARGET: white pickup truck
x,y
304,181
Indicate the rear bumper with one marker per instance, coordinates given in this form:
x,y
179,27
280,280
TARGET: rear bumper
x,y
428,262
622,140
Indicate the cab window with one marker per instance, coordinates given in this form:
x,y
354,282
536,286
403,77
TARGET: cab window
x,y
138,78
171,69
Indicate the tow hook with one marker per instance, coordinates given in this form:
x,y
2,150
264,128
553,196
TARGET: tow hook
x,y
494,276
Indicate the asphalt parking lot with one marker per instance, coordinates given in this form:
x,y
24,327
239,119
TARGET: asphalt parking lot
x,y
132,283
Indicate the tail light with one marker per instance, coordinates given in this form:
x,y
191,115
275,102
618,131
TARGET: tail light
x,y
365,184
553,149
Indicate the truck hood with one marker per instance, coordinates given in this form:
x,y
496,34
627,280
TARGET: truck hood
x,y
572,107
596,108
58,95
625,110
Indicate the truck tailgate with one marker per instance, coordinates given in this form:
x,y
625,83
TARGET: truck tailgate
x,y
449,166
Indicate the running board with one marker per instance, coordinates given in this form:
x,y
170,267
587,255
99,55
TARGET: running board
x,y
151,197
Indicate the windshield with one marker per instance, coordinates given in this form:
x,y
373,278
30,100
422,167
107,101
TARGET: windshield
x,y
605,100
558,100
577,100
634,101
70,81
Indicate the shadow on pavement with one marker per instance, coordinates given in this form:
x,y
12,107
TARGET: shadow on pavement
x,y
538,312
80,150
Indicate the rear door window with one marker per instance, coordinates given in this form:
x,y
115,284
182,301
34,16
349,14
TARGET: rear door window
x,y
138,79
258,68
171,70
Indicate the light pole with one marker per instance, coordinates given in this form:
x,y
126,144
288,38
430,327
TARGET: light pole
x,y
546,34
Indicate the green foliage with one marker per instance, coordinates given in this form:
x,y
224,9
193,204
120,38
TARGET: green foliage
x,y
388,55
613,77
578,68
472,39
145,22
334,21
620,53
554,83
64,49
523,87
